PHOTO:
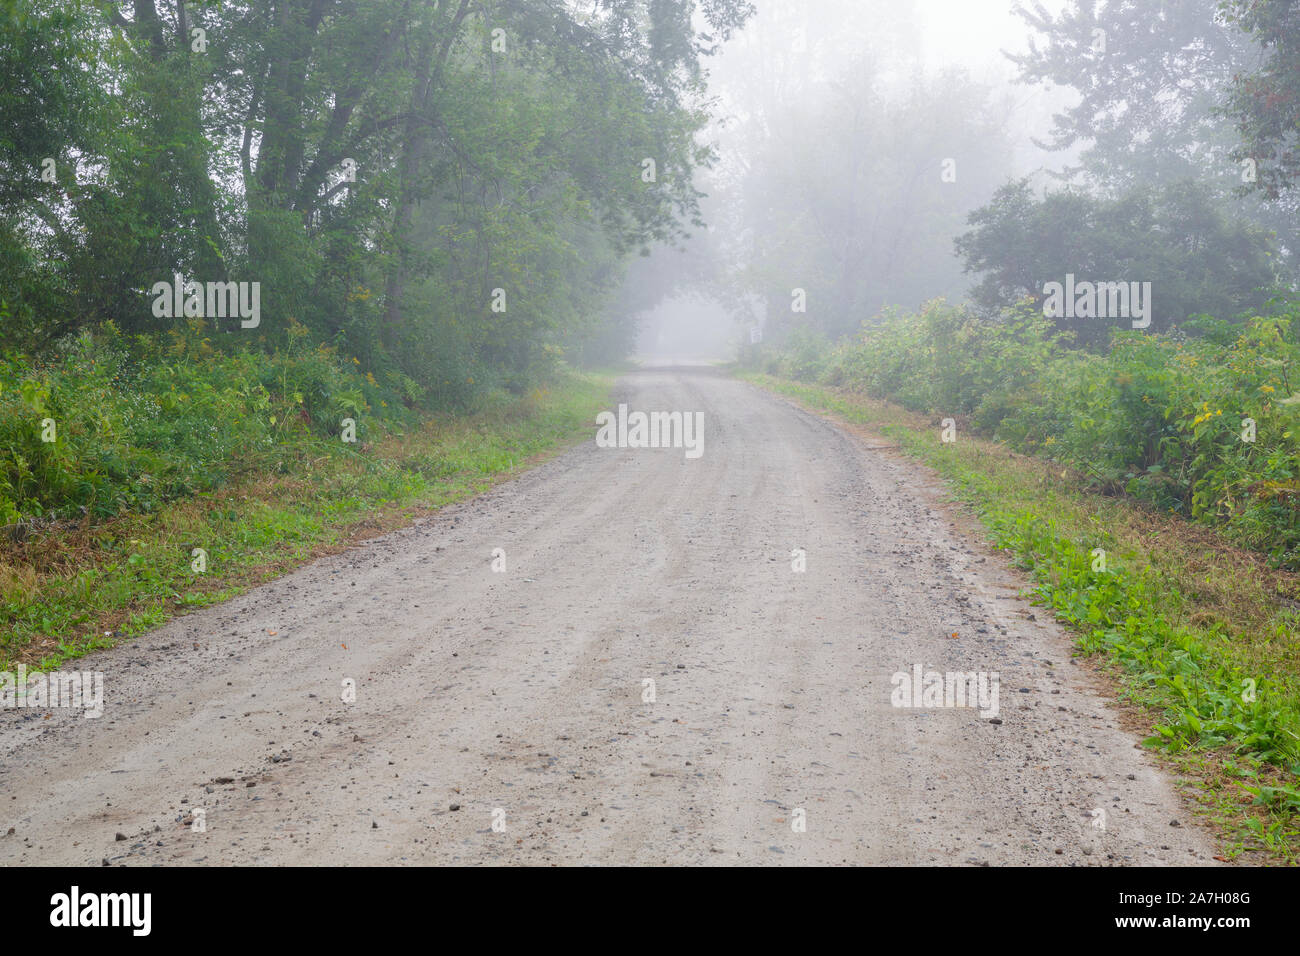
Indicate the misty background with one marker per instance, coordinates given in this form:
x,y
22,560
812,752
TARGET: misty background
x,y
855,139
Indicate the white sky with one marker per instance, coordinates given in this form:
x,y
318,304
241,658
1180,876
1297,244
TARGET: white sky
x,y
972,32
936,33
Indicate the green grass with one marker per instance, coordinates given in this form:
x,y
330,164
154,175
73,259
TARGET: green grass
x,y
1200,635
62,589
1204,425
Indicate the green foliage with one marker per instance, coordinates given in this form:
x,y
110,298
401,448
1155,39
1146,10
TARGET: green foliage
x,y
804,355
1149,87
130,575
1208,703
379,168
138,424
1158,417
1265,103
1176,237
1118,612
1222,689
1147,80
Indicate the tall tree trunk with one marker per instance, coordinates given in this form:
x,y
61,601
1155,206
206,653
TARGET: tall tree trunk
x,y
415,149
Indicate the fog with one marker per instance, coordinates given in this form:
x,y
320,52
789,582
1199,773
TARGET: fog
x,y
854,139
664,416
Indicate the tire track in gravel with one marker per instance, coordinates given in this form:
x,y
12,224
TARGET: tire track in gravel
x,y
522,691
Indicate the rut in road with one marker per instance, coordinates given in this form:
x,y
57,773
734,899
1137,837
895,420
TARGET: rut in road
x,y
517,695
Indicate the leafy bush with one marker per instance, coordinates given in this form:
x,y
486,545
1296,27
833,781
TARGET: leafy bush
x,y
140,422
1161,417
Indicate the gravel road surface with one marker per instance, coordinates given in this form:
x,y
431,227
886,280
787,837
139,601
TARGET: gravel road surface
x,y
504,716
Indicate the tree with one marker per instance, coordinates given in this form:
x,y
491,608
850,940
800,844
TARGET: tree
x,y
856,193
1152,80
1148,77
1197,260
380,167
1265,102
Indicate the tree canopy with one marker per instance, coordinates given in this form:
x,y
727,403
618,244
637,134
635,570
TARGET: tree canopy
x,y
447,187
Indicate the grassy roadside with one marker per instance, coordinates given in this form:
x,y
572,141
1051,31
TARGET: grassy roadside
x,y
72,589
1200,637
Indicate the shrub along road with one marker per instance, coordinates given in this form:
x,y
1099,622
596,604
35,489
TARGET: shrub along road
x,y
504,715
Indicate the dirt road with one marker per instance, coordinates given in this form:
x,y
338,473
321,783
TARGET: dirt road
x,y
503,716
